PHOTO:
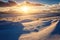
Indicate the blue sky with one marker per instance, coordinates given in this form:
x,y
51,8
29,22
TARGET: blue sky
x,y
42,1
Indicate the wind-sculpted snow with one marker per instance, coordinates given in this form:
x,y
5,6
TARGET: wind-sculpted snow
x,y
33,30
36,25
41,34
10,30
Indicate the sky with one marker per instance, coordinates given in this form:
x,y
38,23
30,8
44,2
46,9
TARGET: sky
x,y
41,1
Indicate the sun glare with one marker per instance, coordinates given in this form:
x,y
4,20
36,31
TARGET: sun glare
x,y
25,9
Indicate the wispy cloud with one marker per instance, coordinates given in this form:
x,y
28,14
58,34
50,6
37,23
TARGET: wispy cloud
x,y
36,9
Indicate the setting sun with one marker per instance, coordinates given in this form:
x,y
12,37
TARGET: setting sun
x,y
25,9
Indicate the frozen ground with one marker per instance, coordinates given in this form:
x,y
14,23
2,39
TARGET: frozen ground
x,y
31,27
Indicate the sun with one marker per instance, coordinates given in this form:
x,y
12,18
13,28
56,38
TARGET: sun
x,y
25,9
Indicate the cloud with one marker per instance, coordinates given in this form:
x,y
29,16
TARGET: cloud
x,y
55,7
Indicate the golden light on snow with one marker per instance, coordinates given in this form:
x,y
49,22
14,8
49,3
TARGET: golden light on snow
x,y
41,35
